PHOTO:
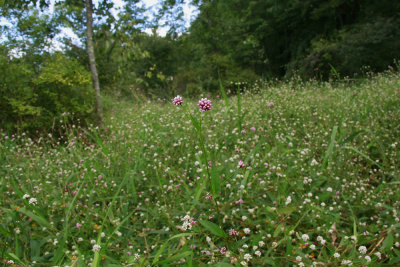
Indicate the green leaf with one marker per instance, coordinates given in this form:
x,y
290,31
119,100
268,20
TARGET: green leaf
x,y
35,249
395,260
215,181
388,242
59,254
213,228
277,231
239,109
351,137
161,249
14,257
195,123
222,89
222,264
4,232
40,220
363,155
329,152
176,257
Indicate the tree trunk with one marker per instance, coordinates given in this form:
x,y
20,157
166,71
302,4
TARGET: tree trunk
x,y
92,59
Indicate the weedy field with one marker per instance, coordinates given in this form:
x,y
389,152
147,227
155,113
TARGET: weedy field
x,y
293,174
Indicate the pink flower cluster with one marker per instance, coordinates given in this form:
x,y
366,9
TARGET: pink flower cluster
x,y
240,201
240,164
177,100
233,232
204,104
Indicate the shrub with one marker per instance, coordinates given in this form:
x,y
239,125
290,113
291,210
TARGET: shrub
x,y
375,45
31,101
64,86
17,99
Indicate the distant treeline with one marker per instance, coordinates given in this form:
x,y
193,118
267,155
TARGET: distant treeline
x,y
230,41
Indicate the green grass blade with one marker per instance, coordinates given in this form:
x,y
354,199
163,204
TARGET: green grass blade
x,y
176,257
363,155
213,228
161,249
329,152
222,89
215,181
39,219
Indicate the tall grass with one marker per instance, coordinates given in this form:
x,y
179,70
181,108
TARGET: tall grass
x,y
312,179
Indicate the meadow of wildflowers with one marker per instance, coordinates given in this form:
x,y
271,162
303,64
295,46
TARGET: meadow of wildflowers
x,y
296,174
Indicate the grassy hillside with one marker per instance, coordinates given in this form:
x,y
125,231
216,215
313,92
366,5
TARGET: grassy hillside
x,y
298,174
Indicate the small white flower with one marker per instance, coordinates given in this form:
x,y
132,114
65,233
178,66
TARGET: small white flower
x,y
312,247
33,201
305,237
298,258
362,249
378,254
96,248
347,262
258,253
186,225
288,200
186,218
261,243
246,231
208,239
336,255
368,258
243,263
25,196
247,257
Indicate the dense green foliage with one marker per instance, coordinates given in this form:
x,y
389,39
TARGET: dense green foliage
x,y
318,183
282,38
32,99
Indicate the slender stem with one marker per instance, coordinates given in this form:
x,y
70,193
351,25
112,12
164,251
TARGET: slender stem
x,y
203,148
205,158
